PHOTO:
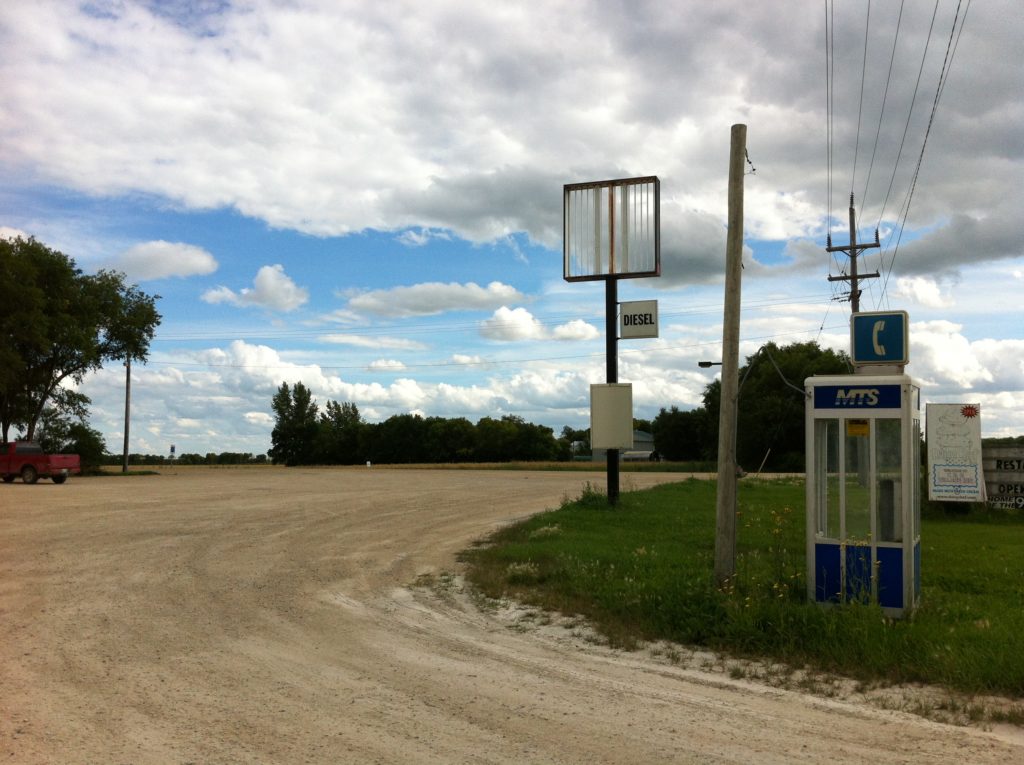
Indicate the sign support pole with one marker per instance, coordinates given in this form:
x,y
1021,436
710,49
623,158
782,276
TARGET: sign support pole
x,y
611,328
612,230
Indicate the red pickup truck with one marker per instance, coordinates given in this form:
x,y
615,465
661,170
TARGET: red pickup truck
x,y
28,460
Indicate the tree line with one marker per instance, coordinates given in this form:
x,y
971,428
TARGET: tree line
x,y
770,425
338,435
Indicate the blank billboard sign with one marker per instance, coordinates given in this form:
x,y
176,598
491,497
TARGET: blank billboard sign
x,y
611,229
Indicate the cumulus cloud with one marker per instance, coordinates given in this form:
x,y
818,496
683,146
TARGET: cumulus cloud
x,y
923,291
259,418
432,298
941,355
462,119
577,329
6,232
272,289
431,114
386,365
373,341
422,236
512,324
160,259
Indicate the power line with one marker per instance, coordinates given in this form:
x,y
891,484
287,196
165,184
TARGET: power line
x,y
860,107
828,122
487,362
442,328
906,128
947,64
881,115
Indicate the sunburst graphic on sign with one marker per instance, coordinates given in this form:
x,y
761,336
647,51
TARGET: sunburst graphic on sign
x,y
970,411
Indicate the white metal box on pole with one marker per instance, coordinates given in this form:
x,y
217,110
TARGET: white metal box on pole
x,y
611,416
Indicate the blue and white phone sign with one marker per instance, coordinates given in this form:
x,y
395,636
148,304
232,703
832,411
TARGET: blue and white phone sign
x,y
880,337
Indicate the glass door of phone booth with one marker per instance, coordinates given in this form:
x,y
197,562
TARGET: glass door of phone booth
x,y
863,490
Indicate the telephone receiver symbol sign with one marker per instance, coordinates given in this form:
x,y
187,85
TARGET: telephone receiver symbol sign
x,y
876,330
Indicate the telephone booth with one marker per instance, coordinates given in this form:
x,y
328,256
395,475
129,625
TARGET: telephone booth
x,y
863,490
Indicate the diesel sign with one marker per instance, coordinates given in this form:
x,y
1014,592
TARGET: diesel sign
x,y
638,319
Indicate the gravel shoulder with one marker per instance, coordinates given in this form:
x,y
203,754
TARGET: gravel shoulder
x,y
271,615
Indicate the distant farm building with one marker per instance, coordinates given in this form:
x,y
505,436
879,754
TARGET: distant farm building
x,y
642,451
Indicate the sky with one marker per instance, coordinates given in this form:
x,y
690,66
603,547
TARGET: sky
x,y
367,197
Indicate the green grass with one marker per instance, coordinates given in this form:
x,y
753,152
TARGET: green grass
x,y
642,571
575,466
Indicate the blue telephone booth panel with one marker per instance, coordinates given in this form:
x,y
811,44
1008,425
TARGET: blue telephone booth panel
x,y
863,490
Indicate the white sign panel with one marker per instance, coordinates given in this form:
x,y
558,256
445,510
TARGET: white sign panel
x,y
611,416
954,453
638,319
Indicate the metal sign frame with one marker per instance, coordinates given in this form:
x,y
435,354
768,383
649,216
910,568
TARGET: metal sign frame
x,y
611,229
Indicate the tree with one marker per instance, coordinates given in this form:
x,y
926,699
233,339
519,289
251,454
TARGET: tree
x,y
451,440
512,438
771,412
575,443
644,426
681,435
58,324
59,434
339,433
401,438
293,438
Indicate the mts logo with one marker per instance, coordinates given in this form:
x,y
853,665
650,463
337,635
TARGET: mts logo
x,y
857,397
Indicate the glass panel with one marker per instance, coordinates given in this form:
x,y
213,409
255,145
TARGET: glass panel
x,y
826,478
916,490
858,489
888,481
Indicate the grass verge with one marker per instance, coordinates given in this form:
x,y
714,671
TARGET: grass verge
x,y
642,572
574,467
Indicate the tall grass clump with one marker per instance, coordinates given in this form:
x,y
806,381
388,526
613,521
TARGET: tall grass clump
x,y
643,571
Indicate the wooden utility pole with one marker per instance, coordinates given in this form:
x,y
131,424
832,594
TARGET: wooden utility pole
x,y
127,409
725,526
853,250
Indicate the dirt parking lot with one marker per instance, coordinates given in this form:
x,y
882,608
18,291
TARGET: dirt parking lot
x,y
273,616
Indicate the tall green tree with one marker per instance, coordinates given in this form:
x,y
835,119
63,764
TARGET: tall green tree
x,y
294,437
401,438
340,429
451,440
681,435
770,420
57,325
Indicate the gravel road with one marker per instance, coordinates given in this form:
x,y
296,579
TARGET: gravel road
x,y
268,615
